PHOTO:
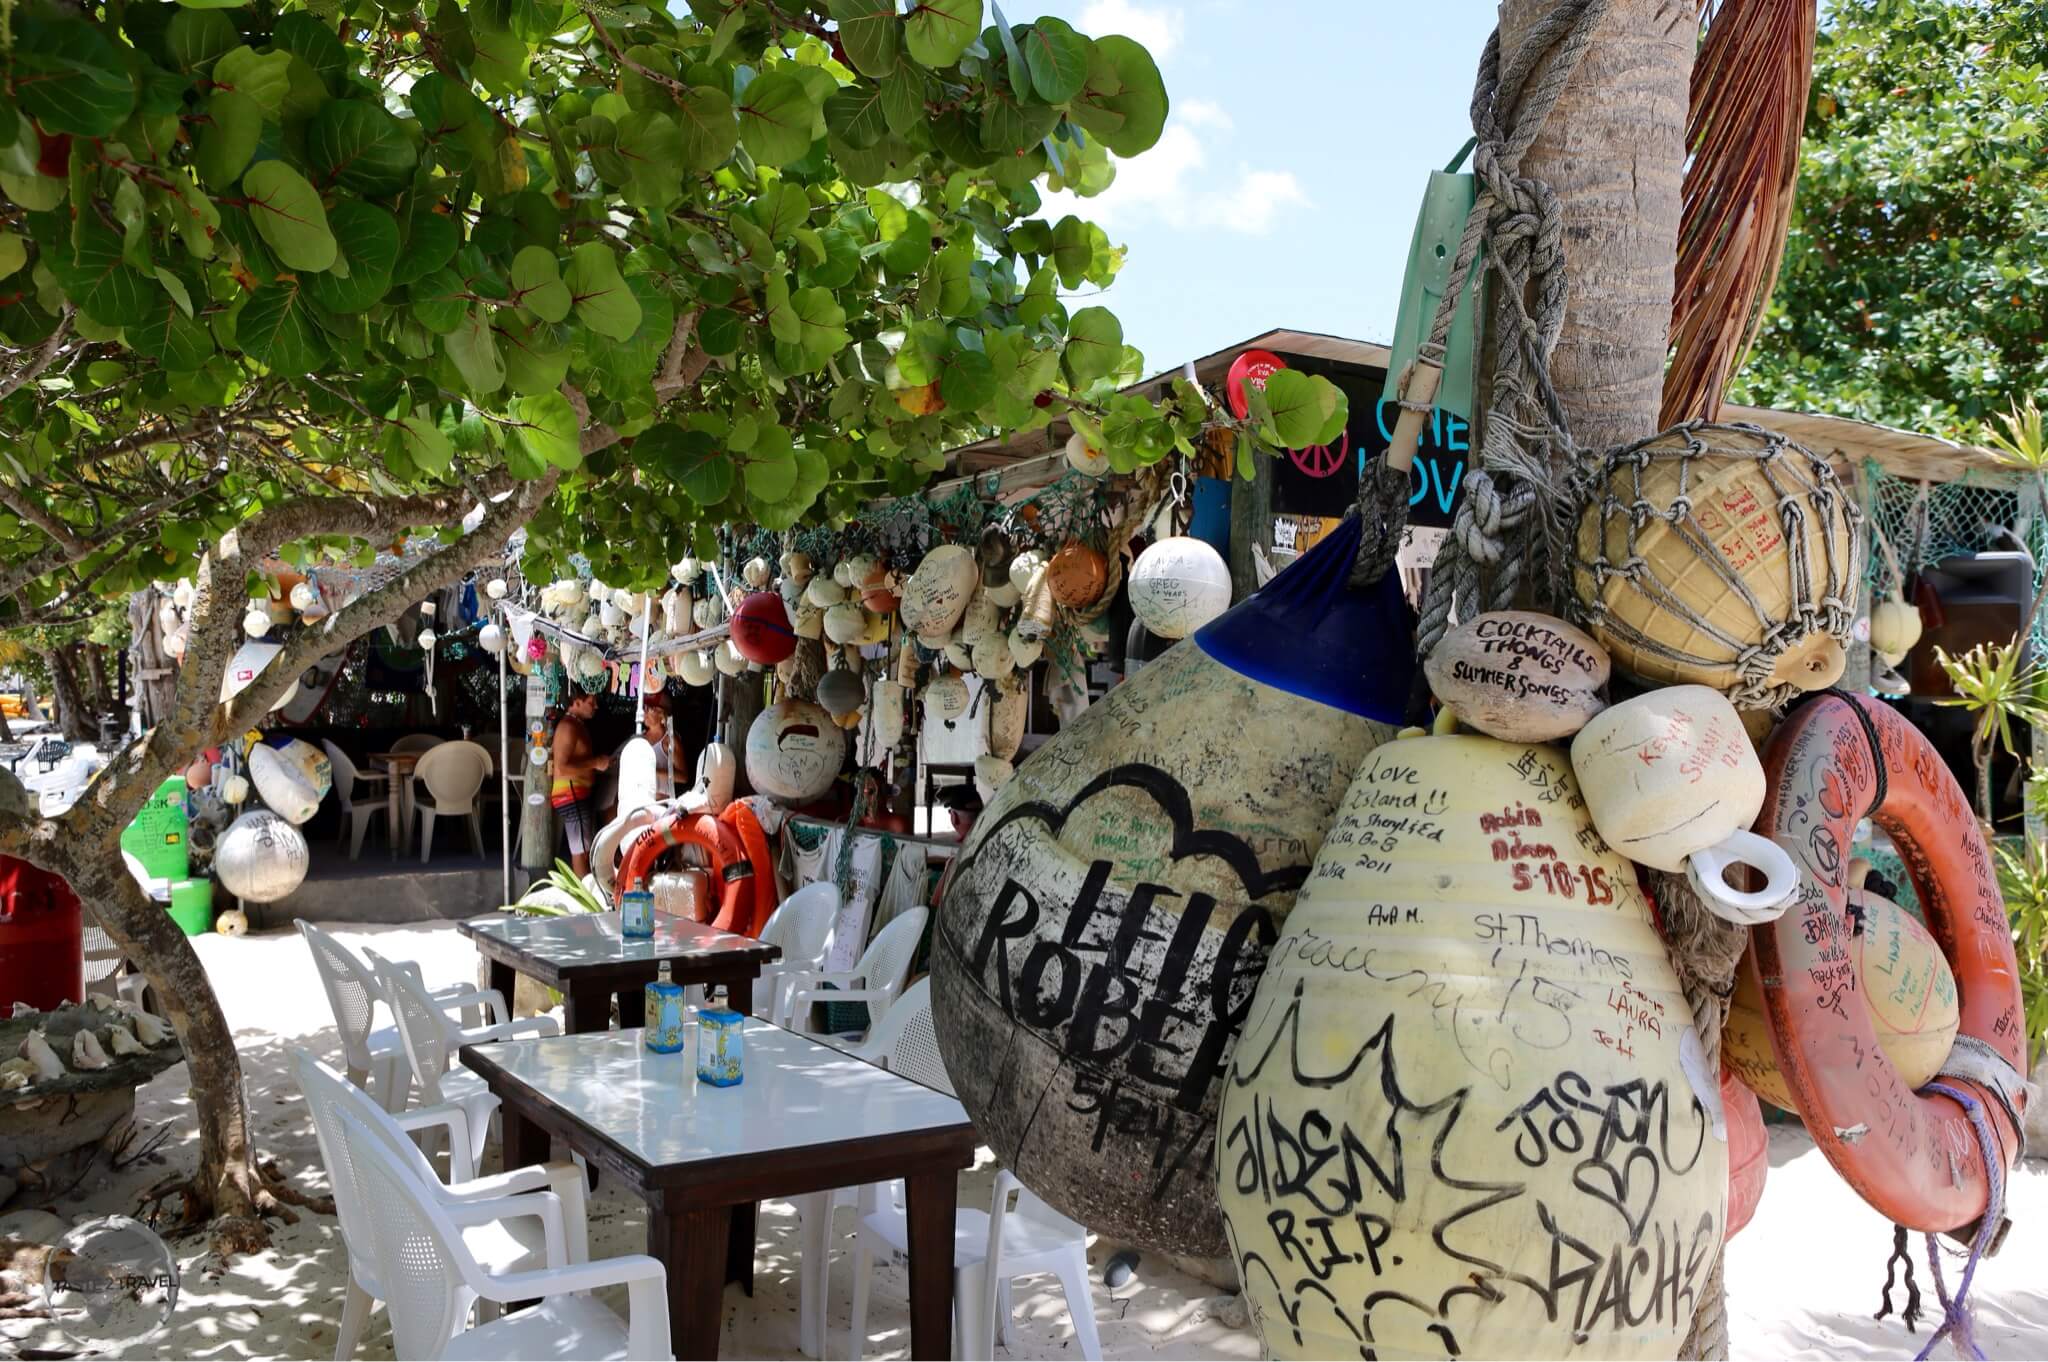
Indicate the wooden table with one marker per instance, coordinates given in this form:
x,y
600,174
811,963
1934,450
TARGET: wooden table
x,y
583,955
807,1118
400,766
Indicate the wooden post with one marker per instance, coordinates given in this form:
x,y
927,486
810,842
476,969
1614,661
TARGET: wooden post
x,y
1251,522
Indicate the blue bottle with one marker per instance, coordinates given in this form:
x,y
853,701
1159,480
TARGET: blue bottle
x,y
665,1015
721,1045
636,915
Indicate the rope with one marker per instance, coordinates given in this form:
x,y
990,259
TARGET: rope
x,y
1956,1318
1900,1267
1514,521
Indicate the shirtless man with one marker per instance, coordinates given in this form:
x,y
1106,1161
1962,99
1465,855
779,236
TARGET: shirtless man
x,y
576,763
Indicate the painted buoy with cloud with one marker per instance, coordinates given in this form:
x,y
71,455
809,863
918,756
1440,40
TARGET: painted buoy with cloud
x,y
1108,918
794,750
1470,1009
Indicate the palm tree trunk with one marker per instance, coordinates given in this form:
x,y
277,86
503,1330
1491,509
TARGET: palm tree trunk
x,y
1614,152
73,719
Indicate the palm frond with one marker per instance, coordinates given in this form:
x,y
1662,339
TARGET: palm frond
x,y
1748,106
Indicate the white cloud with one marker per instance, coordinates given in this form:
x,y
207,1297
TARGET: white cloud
x,y
1157,28
1172,184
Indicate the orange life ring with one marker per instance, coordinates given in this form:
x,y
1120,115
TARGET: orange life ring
x,y
763,891
1915,1157
731,874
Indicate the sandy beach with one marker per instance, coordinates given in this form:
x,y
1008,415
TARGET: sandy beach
x,y
1803,1278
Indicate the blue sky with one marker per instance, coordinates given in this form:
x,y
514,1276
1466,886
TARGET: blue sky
x,y
1285,186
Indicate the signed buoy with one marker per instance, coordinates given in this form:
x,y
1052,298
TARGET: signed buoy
x,y
761,630
937,593
1077,575
1178,585
1906,987
1102,928
1518,675
1468,1115
261,857
794,751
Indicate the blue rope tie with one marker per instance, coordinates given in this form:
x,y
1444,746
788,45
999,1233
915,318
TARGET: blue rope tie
x,y
1956,1317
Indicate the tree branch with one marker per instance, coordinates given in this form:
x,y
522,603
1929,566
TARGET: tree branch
x,y
682,364
40,360
387,602
366,517
40,517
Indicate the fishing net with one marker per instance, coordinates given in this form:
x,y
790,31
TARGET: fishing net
x,y
1922,523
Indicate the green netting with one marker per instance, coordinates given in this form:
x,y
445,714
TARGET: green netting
x,y
1927,522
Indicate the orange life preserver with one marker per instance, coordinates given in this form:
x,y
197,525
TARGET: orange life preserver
x,y
1915,1157
731,872
763,891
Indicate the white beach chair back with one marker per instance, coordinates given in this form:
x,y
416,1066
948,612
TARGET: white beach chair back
x,y
421,1260
885,964
352,993
422,1027
906,1040
453,773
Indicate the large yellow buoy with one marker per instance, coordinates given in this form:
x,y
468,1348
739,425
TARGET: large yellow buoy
x,y
1106,922
1901,976
1468,1114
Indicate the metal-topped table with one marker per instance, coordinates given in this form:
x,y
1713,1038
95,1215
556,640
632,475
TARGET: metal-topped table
x,y
806,1118
584,956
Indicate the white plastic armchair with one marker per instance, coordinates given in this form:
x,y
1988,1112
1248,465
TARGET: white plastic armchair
x,y
433,1278
431,1040
445,784
375,1056
519,1219
357,811
802,926
875,979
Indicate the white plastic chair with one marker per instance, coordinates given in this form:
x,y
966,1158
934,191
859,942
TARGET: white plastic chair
x,y
375,1058
502,1223
989,1247
434,1278
417,742
875,979
357,810
802,926
452,774
431,1040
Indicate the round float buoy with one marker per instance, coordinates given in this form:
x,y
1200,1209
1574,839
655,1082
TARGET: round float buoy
x,y
1471,1008
947,697
1101,930
794,751
761,631
292,779
1178,585
1077,575
936,595
840,692
261,857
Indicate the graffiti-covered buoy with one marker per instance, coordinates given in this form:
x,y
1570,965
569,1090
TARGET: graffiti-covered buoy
x,y
1105,923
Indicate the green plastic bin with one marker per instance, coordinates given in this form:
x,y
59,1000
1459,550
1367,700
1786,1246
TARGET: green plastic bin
x,y
192,906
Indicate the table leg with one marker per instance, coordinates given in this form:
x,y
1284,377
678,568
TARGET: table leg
x,y
739,1246
632,1008
739,995
692,1245
525,1142
505,980
932,1200
586,1007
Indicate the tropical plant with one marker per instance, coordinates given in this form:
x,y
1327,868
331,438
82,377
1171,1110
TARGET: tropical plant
x,y
1998,691
564,880
2023,883
279,281
1912,290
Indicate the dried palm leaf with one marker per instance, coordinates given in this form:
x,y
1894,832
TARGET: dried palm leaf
x,y
1748,105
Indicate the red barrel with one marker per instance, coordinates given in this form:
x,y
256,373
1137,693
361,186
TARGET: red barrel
x,y
42,942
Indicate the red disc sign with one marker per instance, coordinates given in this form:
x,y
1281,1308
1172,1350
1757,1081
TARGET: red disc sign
x,y
1254,367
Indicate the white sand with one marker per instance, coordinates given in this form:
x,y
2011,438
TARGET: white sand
x,y
1803,1278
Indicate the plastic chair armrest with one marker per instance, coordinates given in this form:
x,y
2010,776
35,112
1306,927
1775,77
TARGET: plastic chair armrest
x,y
466,996
455,1119
507,1287
543,1206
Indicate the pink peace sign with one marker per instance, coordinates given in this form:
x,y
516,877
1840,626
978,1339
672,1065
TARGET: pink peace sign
x,y
1320,461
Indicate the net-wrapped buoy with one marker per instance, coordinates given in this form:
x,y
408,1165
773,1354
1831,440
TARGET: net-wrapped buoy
x,y
761,630
937,593
1470,1008
794,750
1723,555
840,692
1178,585
1108,917
261,857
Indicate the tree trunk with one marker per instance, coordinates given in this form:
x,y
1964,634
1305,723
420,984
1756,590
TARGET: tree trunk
x,y
156,680
74,720
102,698
744,702
1613,150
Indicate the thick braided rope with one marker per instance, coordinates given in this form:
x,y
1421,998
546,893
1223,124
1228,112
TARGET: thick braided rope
x,y
1514,518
